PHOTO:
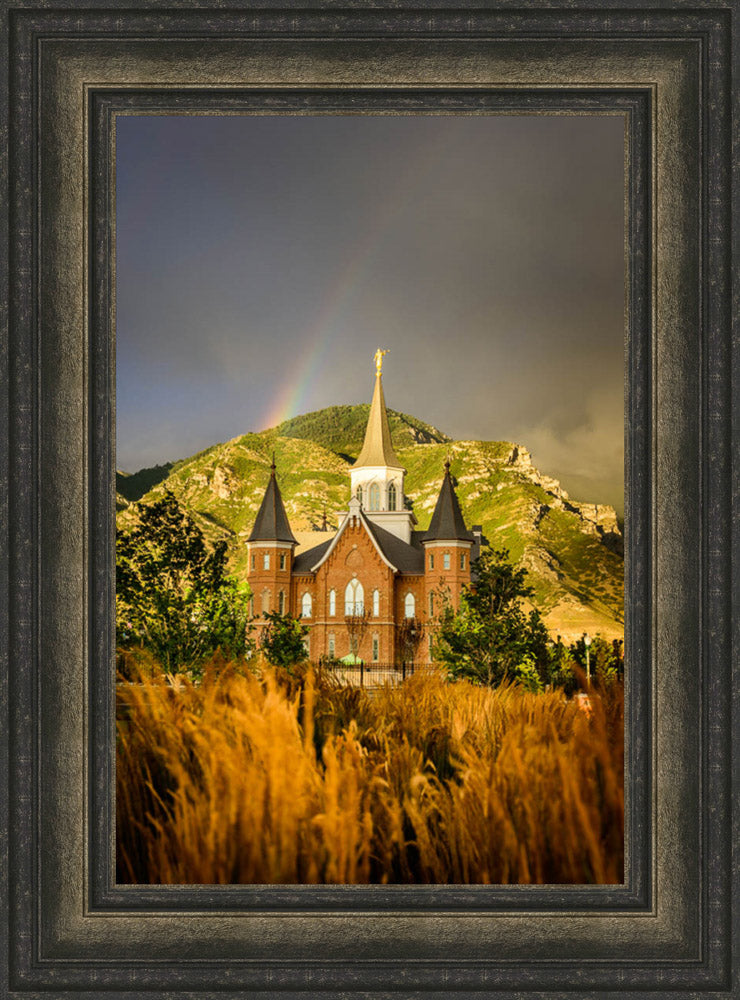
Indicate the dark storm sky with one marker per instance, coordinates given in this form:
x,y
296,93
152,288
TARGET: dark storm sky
x,y
261,260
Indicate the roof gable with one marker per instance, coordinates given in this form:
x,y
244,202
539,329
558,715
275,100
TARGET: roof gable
x,y
355,511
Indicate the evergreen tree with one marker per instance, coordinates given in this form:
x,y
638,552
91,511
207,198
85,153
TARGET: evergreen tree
x,y
491,636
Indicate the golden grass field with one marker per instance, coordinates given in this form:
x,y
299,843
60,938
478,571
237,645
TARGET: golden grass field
x,y
246,779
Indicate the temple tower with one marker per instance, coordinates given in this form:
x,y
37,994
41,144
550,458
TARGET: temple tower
x,y
270,552
377,477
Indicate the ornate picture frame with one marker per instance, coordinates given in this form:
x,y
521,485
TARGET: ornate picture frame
x,y
71,930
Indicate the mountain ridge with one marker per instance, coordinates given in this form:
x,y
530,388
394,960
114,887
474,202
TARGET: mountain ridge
x,y
572,550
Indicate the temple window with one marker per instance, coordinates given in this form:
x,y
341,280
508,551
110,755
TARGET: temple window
x,y
374,497
266,560
446,560
265,601
332,602
409,606
462,560
306,606
282,560
281,602
376,603
332,644
431,560
376,648
392,496
354,598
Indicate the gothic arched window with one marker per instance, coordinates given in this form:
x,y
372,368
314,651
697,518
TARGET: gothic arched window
x,y
332,602
376,603
358,493
409,606
265,601
354,598
374,497
306,606
392,497
281,602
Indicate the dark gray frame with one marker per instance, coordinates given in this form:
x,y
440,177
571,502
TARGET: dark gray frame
x,y
71,931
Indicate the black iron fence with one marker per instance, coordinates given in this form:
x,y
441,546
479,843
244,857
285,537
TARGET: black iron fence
x,y
370,674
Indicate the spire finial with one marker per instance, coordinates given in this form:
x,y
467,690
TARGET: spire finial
x,y
273,467
379,360
447,464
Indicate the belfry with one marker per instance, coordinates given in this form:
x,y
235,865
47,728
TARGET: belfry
x,y
376,569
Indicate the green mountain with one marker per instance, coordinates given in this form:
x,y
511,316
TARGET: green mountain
x,y
572,550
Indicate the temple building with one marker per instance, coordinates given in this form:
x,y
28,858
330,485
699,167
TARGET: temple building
x,y
373,588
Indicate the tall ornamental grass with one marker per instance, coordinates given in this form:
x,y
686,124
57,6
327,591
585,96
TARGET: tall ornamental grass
x,y
268,779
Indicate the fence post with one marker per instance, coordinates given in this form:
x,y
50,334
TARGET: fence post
x,y
362,673
403,670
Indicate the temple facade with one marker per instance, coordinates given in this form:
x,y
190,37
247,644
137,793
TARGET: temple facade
x,y
373,589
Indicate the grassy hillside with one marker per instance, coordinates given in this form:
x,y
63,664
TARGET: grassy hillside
x,y
342,429
572,550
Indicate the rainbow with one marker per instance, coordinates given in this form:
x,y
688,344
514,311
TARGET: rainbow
x,y
290,399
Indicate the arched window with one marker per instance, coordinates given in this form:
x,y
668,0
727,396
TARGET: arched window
x,y
392,497
332,602
281,602
354,598
358,493
376,603
374,497
306,606
446,560
266,560
409,606
332,645
431,604
265,601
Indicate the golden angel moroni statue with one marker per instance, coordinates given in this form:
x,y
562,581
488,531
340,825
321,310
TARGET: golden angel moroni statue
x,y
379,360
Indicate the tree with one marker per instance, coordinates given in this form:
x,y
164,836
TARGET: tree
x,y
173,596
491,636
281,639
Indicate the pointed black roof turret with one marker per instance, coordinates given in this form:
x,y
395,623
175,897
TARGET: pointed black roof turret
x,y
271,524
447,522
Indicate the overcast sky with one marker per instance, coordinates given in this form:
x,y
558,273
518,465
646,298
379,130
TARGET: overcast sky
x,y
262,259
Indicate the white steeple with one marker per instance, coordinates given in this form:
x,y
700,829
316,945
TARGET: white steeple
x,y
377,476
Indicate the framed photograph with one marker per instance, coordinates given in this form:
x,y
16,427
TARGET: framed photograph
x,y
184,186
